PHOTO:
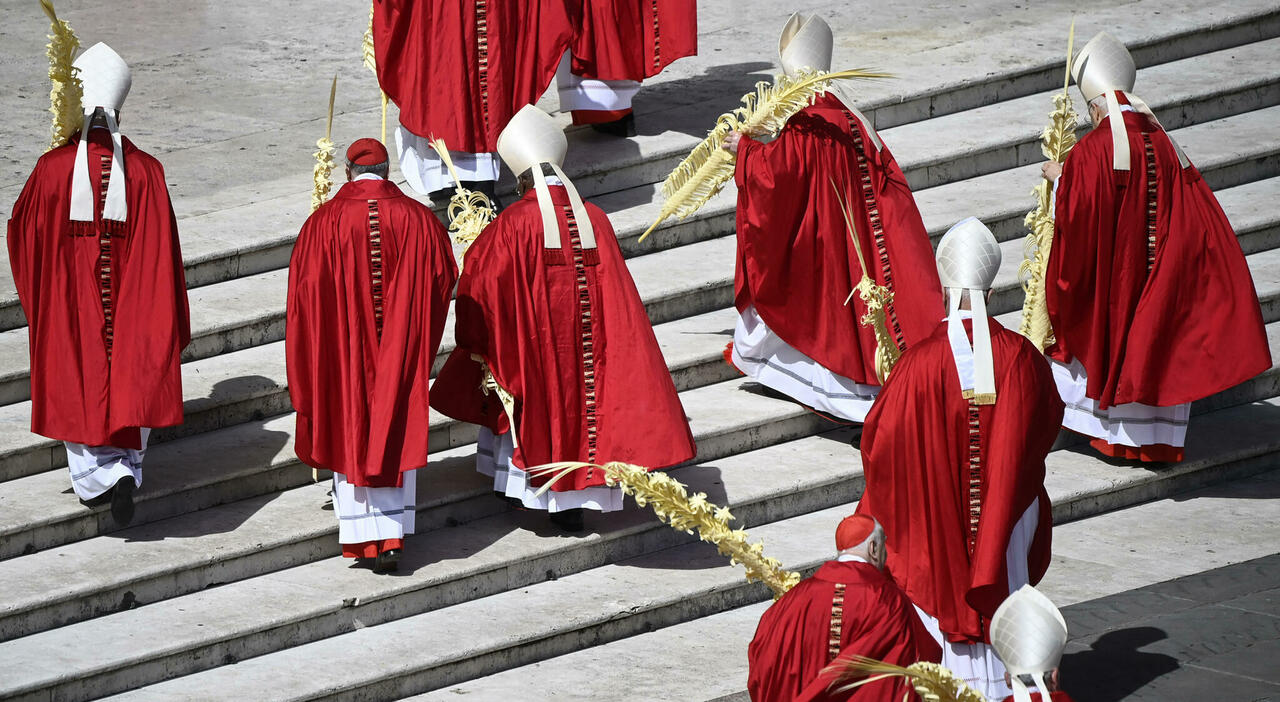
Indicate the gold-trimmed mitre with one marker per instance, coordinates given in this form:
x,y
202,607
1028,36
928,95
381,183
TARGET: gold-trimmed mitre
x,y
806,42
1029,634
529,140
968,259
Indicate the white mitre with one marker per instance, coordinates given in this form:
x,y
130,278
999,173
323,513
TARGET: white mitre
x,y
1104,67
533,138
968,260
1028,633
807,42
106,79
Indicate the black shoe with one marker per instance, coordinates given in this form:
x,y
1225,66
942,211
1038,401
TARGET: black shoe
x,y
569,520
122,501
98,501
622,128
388,561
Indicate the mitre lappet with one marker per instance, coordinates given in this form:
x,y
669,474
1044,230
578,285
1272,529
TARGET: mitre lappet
x,y
806,43
529,140
106,79
968,260
1029,634
1104,67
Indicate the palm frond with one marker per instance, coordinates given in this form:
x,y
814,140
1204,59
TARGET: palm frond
x,y
1056,142
673,504
366,46
469,211
66,90
876,298
322,173
932,682
708,167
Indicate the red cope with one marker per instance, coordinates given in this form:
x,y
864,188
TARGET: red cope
x,y
633,39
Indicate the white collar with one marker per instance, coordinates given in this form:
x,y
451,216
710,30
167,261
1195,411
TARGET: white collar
x,y
367,176
849,557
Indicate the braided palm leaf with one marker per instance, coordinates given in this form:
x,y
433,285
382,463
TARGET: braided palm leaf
x,y
674,506
370,60
469,211
67,90
876,298
322,174
932,682
1055,142
708,167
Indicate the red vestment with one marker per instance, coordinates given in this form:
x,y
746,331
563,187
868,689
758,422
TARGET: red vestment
x,y
791,645
366,312
633,39
564,331
459,69
796,262
1160,311
925,481
106,323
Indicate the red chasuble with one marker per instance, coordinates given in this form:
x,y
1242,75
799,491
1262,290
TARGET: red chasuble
x,y
949,480
796,262
106,302
633,39
797,638
459,69
1146,283
369,287
565,332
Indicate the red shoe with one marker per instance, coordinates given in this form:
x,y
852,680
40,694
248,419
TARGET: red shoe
x,y
728,357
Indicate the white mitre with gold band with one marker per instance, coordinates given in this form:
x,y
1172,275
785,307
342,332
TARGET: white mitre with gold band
x,y
1029,634
533,138
807,42
1104,67
968,260
107,79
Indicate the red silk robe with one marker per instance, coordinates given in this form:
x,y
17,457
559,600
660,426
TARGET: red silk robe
x,y
796,262
558,328
1160,312
633,39
360,384
791,645
459,69
106,325
917,457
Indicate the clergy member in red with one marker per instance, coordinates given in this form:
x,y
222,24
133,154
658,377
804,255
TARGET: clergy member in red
x,y
796,261
954,452
93,243
1148,292
369,287
547,308
618,44
458,70
1029,634
848,608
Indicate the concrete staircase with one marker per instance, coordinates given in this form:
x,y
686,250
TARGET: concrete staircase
x,y
229,583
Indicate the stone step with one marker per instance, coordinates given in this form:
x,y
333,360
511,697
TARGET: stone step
x,y
231,315
193,473
251,384
246,239
1093,558
609,602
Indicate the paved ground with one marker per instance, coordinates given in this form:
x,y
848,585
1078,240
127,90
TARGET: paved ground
x,y
1209,636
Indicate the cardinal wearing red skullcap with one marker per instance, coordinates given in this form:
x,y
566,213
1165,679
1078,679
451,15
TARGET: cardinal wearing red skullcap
x,y
849,607
369,288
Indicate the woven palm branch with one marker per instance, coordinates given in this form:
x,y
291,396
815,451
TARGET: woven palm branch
x,y
1056,142
322,174
66,91
672,503
764,111
469,211
876,298
932,682
370,60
